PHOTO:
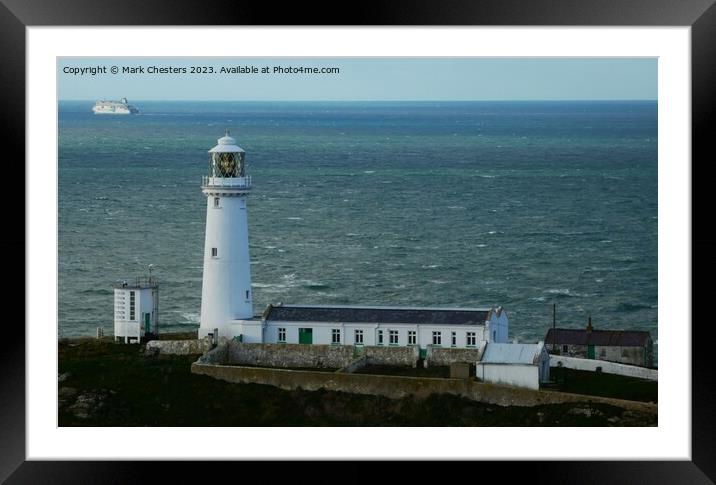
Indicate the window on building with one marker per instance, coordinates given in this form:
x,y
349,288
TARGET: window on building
x,y
131,305
282,335
437,338
359,336
214,252
393,337
247,294
336,336
471,339
453,339
565,348
216,202
412,337
494,335
380,337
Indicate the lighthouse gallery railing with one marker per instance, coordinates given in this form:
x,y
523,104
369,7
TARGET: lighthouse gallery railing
x,y
237,182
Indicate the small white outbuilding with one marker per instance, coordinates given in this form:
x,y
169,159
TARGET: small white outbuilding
x,y
136,309
521,365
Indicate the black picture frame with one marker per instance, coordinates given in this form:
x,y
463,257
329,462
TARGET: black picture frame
x,y
700,15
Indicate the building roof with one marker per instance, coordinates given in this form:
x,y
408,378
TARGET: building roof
x,y
226,144
511,353
621,338
376,314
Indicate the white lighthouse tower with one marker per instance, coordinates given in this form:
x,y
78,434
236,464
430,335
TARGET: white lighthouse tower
x,y
226,286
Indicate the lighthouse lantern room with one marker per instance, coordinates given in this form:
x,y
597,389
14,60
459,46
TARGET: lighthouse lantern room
x,y
226,286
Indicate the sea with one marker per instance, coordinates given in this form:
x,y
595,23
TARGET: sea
x,y
523,205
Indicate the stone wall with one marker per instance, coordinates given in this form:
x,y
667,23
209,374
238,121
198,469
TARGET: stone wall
x,y
178,347
289,355
396,387
607,367
440,356
378,355
231,352
217,355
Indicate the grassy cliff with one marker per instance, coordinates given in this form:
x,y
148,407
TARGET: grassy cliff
x,y
107,384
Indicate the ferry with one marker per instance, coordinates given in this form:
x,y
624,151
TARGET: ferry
x,y
121,107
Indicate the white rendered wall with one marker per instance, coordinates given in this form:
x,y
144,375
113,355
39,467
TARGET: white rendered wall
x,y
121,308
498,328
227,277
369,333
251,332
323,334
425,335
126,328
520,375
143,303
607,367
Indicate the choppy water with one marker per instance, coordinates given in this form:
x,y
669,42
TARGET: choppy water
x,y
449,204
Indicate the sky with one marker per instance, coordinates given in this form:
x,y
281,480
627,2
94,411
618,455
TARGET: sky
x,y
360,79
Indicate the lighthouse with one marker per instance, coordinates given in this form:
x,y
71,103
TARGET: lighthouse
x,y
226,286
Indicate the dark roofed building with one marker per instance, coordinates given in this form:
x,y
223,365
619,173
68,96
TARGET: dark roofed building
x,y
383,325
633,347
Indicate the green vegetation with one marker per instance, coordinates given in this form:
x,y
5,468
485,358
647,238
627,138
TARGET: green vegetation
x,y
108,384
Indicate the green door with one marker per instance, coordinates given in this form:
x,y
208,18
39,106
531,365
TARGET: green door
x,y
590,351
305,335
147,323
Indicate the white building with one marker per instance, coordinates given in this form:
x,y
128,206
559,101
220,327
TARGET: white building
x,y
226,301
136,309
375,325
521,365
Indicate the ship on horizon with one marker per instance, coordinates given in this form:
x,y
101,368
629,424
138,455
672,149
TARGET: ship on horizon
x,y
121,107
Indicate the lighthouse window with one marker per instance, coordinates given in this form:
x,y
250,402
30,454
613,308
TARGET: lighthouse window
x,y
214,252
336,336
247,294
225,164
216,202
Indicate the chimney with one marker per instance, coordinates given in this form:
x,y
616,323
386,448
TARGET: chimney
x,y
589,325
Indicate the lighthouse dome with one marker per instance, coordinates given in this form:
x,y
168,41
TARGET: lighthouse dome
x,y
226,144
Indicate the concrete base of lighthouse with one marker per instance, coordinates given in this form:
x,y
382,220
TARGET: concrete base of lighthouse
x,y
249,331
